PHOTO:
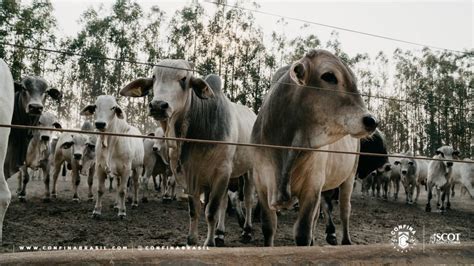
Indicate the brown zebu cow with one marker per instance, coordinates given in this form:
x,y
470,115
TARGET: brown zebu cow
x,y
314,104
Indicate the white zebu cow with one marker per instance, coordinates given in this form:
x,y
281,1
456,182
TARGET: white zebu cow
x,y
463,174
6,113
156,164
69,151
198,109
440,177
421,176
121,157
88,157
395,175
38,153
296,113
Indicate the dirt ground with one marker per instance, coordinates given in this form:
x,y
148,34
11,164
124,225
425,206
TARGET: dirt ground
x,y
63,222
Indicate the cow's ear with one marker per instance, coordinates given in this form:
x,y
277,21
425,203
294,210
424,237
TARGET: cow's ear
x,y
298,73
55,94
388,168
151,134
57,125
137,88
201,88
118,111
19,86
67,145
88,110
456,153
396,163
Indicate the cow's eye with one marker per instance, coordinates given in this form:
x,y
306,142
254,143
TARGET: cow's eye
x,y
396,163
410,163
113,108
329,77
182,82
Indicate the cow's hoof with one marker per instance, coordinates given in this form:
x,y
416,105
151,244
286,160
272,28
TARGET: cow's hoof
x,y
166,200
442,209
76,200
122,215
448,206
144,200
90,199
129,200
134,205
438,205
346,242
21,198
96,214
111,190
191,241
246,238
46,200
219,241
157,189
331,239
428,208
54,195
210,243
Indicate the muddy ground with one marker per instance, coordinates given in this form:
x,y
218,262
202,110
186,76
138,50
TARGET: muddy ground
x,y
63,222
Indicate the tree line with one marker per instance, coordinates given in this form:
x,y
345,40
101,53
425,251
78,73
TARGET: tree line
x,y
425,101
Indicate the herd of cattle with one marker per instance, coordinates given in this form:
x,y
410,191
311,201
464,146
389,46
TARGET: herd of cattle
x,y
314,103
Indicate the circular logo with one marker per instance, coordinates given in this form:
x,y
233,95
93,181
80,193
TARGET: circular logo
x,y
403,238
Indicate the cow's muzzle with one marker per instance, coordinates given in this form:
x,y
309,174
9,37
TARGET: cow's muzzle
x,y
77,156
158,109
45,138
35,109
370,123
100,125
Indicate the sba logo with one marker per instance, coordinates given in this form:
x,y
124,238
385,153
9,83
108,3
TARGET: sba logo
x,y
403,237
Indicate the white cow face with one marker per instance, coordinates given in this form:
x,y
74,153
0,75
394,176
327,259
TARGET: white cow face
x,y
106,110
159,144
47,120
77,144
172,86
447,152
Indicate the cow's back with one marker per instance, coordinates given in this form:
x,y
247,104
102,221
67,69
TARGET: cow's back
x,y
6,111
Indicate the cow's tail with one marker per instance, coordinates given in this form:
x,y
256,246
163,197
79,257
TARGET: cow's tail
x,y
64,170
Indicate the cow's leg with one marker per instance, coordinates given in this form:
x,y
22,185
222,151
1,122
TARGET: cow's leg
x,y
345,208
194,213
122,191
216,196
268,218
438,192
135,174
372,186
448,203
396,189
249,190
166,188
156,185
46,179
144,179
172,184
5,197
90,181
411,192
452,190
307,216
444,191
330,227
57,169
430,196
220,231
101,176
111,180
417,192
76,180
25,177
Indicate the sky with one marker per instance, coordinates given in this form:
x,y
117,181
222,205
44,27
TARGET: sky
x,y
446,24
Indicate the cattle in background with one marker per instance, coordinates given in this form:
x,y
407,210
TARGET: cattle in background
x,y
195,108
38,153
69,151
421,176
155,164
121,157
29,100
382,179
6,113
395,175
296,113
408,174
366,171
440,177
463,174
88,157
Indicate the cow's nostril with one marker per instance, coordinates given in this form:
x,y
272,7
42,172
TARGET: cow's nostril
x,y
35,108
77,156
45,138
404,172
370,123
155,148
164,105
450,164
100,125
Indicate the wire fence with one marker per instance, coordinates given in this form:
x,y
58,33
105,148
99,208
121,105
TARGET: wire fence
x,y
218,142
419,103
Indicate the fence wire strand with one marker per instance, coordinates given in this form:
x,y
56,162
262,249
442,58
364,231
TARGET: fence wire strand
x,y
218,142
195,71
